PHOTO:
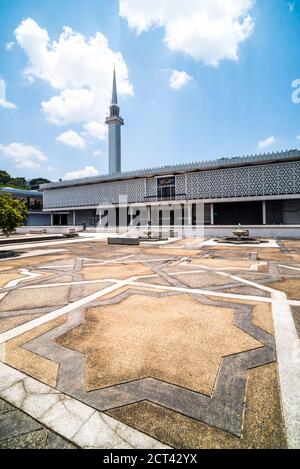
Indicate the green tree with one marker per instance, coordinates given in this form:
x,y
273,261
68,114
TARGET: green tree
x,y
13,213
19,182
4,177
35,183
7,180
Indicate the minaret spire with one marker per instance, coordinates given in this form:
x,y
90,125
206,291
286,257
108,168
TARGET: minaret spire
x,y
114,99
114,122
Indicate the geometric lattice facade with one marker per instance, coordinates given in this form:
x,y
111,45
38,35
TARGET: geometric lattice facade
x,y
270,179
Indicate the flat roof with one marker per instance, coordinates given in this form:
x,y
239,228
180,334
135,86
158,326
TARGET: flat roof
x,y
288,155
22,192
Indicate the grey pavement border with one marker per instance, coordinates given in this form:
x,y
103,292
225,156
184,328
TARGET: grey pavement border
x,y
19,431
68,417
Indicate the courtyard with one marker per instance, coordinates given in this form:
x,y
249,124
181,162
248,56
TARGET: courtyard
x,y
186,344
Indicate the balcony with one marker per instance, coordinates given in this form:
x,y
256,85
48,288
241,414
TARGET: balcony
x,y
166,198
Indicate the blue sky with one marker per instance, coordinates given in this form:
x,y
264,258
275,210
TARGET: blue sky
x,y
231,80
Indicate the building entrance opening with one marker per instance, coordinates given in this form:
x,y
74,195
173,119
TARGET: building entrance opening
x,y
245,213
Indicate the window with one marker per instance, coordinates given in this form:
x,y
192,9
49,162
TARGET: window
x,y
166,188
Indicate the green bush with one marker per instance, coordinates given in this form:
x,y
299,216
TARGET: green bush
x,y
13,213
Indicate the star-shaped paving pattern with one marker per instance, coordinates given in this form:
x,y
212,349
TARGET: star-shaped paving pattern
x,y
174,339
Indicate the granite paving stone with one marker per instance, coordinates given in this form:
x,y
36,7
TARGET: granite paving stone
x,y
296,316
14,423
19,431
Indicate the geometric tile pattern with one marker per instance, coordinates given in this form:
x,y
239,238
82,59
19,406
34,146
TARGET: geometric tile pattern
x,y
257,180
223,410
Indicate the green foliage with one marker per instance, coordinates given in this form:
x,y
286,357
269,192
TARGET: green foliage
x,y
4,177
7,180
35,183
20,182
13,213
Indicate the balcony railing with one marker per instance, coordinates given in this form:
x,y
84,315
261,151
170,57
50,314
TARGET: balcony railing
x,y
156,198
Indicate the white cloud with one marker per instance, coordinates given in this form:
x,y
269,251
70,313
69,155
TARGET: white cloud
x,y
77,67
7,104
97,152
3,102
23,156
71,139
298,137
296,93
9,45
179,79
2,89
291,6
207,30
266,143
96,130
88,171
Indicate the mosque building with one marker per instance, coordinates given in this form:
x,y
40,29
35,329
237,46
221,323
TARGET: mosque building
x,y
260,191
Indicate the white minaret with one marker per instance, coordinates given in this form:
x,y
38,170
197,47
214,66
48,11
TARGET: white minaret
x,y
114,122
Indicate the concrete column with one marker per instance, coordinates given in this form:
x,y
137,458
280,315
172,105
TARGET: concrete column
x,y
264,211
130,216
99,212
74,218
51,219
212,216
149,212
